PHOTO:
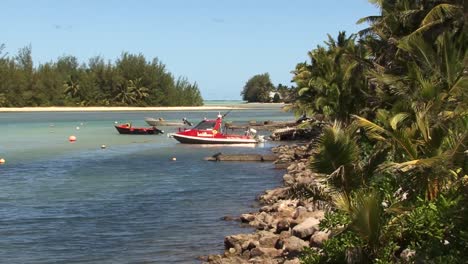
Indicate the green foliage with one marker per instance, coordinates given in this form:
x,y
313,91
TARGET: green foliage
x,y
405,149
332,84
258,88
276,98
436,229
131,80
336,155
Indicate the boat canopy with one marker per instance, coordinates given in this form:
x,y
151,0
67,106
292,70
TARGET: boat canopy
x,y
205,125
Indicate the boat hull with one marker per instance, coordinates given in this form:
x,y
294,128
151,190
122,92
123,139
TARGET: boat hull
x,y
212,140
138,131
155,122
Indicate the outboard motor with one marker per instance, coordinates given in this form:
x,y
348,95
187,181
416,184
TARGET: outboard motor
x,y
158,131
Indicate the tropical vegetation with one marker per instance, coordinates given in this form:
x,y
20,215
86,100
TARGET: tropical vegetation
x,y
393,161
260,88
131,80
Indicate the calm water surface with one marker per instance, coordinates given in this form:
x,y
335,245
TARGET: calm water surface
x,y
64,202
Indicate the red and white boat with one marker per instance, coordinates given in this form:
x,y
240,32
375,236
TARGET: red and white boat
x,y
210,131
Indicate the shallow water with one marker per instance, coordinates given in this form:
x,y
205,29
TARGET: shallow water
x,y
64,202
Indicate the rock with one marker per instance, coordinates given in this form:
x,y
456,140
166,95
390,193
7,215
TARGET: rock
x,y
261,251
249,245
236,241
282,225
301,210
293,261
288,179
246,218
229,218
274,195
267,239
262,260
293,245
306,228
317,239
407,254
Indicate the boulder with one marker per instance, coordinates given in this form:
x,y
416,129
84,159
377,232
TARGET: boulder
x,y
246,218
306,228
236,241
293,261
262,251
293,246
317,239
282,225
267,239
274,195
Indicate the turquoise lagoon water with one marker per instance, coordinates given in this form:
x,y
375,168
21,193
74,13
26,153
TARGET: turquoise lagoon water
x,y
64,202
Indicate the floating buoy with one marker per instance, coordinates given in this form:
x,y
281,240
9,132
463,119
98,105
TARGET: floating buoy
x,y
174,158
81,124
103,146
2,161
115,122
77,128
72,138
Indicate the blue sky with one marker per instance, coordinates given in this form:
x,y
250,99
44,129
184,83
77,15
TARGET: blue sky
x,y
219,44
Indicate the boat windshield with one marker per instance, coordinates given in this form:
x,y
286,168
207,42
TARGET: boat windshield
x,y
205,125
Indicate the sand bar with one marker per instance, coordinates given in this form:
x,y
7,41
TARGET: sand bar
x,y
128,108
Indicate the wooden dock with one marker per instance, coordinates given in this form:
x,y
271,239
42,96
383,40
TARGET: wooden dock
x,y
242,157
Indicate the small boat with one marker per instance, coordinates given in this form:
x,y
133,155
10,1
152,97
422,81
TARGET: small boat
x,y
161,122
211,132
129,129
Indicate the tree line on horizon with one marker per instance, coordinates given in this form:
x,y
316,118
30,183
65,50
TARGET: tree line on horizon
x,y
131,80
259,88
392,160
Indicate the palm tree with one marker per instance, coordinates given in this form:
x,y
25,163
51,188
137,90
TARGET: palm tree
x,y
72,88
126,95
140,91
336,155
332,84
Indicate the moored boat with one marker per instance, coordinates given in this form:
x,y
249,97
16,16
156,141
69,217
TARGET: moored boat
x,y
210,131
129,129
161,122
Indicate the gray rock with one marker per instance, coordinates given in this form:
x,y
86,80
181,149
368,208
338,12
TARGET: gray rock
x,y
261,251
407,254
293,261
282,225
245,218
317,239
294,245
306,228
267,239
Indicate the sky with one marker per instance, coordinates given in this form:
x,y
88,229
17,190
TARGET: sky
x,y
219,44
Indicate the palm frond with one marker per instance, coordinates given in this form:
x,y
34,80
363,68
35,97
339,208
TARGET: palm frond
x,y
373,130
442,12
412,164
369,19
397,119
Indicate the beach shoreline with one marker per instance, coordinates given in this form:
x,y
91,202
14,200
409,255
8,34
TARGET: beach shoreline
x,y
136,109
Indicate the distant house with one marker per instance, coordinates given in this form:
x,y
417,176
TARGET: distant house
x,y
272,95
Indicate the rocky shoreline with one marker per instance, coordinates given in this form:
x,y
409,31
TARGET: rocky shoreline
x,y
284,226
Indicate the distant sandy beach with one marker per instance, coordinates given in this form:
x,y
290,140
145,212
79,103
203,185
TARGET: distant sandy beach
x,y
125,108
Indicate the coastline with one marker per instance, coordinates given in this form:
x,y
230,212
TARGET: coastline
x,y
136,109
284,226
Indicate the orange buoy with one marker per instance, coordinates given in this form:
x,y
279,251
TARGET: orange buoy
x,y
72,138
2,161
